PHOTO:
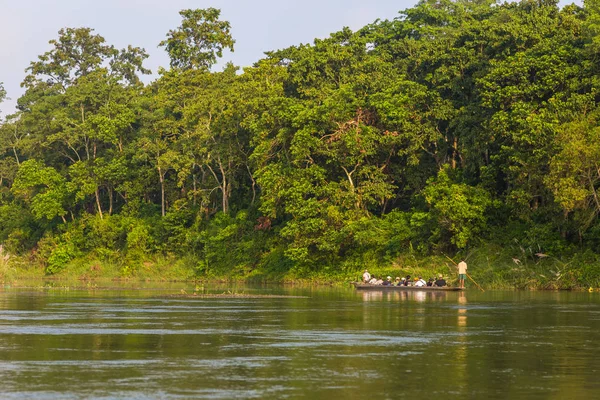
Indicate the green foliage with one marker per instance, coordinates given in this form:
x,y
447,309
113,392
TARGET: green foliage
x,y
18,230
457,211
43,188
456,125
199,40
60,257
139,239
2,94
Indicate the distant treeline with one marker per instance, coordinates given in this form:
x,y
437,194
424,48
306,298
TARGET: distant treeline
x,y
454,125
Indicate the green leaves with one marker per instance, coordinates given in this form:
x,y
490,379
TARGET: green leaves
x,y
199,40
43,188
426,132
78,52
574,174
458,210
2,93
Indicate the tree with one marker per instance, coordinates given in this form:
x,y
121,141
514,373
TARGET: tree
x,y
575,169
79,104
78,52
199,40
43,188
457,211
2,94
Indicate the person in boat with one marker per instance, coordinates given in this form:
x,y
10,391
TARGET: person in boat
x,y
388,281
420,282
462,273
397,281
430,282
407,281
366,276
373,280
379,282
440,281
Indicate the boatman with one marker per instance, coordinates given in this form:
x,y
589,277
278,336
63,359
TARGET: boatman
x,y
462,273
366,276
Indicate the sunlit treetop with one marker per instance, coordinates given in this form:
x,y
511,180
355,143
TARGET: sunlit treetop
x,y
199,41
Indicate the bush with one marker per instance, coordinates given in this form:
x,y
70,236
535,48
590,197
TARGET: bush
x,y
60,257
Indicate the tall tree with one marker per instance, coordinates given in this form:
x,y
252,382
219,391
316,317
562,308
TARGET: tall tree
x,y
78,52
78,103
2,93
199,41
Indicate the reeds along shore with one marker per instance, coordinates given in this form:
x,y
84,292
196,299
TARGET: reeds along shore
x,y
542,274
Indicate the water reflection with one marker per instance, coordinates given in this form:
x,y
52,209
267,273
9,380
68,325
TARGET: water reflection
x,y
400,295
337,343
461,348
462,310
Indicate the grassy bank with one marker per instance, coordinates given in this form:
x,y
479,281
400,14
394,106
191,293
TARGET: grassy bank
x,y
491,267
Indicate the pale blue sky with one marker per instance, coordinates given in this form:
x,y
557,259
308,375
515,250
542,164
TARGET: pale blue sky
x,y
26,26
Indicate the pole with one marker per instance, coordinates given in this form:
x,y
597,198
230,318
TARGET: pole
x,y
469,276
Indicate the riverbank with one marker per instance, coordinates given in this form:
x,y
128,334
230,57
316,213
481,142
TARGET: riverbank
x,y
489,267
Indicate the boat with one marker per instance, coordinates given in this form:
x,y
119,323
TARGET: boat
x,y
368,286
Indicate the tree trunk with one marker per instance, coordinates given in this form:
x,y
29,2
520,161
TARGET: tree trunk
x,y
110,201
357,202
454,152
194,188
16,156
161,177
98,203
224,188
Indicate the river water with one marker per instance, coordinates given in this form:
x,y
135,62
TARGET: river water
x,y
329,343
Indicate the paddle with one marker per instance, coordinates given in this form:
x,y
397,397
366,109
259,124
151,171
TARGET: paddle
x,y
469,276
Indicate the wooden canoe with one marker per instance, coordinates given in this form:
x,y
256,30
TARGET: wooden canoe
x,y
368,286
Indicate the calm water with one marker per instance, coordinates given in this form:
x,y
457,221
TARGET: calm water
x,y
335,343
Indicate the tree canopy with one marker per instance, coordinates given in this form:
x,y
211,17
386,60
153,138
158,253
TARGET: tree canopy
x,y
455,124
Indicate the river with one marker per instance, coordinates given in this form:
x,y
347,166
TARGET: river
x,y
325,343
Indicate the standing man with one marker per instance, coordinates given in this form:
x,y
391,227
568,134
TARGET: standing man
x,y
462,273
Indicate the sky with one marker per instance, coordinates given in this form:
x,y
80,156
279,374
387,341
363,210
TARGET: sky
x,y
26,26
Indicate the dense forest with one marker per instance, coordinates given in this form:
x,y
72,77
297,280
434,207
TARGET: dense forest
x,y
457,127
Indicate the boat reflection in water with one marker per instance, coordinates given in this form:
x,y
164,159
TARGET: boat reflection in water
x,y
461,349
416,296
462,310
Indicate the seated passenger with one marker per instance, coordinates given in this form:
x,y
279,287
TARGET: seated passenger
x,y
440,281
420,282
366,276
373,281
430,282
387,282
398,282
407,281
